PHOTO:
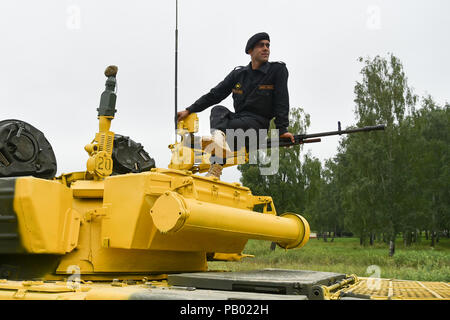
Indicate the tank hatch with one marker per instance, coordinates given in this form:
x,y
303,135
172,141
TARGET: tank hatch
x,y
24,151
129,156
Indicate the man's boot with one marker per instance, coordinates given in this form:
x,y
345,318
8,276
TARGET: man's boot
x,y
221,147
215,170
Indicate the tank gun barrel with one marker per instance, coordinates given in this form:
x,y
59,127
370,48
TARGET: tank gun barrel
x,y
172,213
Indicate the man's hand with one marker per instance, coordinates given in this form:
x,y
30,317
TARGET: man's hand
x,y
181,115
288,135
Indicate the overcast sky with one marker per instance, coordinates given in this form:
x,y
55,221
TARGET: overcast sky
x,y
53,54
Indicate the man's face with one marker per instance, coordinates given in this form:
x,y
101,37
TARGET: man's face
x,y
260,51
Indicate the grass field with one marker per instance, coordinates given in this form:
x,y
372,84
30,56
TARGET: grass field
x,y
345,255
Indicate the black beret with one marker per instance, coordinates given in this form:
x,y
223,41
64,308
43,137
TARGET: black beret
x,y
255,39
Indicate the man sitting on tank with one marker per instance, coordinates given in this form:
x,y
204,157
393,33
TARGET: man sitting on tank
x,y
260,93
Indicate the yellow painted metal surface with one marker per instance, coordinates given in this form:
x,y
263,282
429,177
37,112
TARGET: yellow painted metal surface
x,y
47,221
219,256
100,163
127,224
196,159
156,222
189,125
93,258
208,215
65,290
393,289
88,189
172,213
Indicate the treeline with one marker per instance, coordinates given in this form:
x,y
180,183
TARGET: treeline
x,y
380,184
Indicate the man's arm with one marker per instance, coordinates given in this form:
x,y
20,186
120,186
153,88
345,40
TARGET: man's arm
x,y
281,102
217,94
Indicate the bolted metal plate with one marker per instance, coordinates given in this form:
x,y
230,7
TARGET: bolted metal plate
x,y
273,281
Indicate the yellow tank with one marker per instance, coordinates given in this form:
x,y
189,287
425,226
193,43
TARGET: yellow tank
x,y
126,226
123,229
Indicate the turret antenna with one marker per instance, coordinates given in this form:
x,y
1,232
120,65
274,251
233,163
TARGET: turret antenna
x,y
176,68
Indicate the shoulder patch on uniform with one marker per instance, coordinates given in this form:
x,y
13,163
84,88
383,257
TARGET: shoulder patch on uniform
x,y
238,67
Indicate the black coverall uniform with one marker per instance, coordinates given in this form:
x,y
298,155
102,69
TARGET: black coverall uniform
x,y
258,95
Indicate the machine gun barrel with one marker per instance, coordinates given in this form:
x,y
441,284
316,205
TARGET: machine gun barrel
x,y
309,138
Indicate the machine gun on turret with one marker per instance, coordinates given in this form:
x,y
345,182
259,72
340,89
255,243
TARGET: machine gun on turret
x,y
314,137
192,152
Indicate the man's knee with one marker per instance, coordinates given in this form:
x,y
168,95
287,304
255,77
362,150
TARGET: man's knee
x,y
219,110
219,118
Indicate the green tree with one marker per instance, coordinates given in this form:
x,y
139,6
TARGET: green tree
x,y
430,166
286,185
379,183
374,163
324,206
